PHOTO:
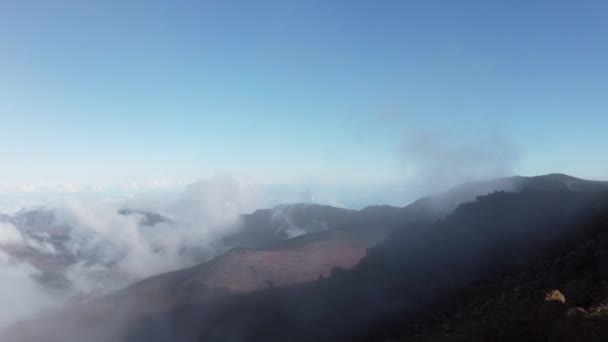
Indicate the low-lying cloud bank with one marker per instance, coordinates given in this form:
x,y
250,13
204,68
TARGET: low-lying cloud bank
x,y
76,249
21,295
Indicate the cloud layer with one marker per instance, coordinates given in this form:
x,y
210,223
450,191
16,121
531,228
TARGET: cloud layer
x,y
96,246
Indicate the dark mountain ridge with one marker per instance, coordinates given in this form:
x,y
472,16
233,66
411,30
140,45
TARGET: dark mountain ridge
x,y
408,273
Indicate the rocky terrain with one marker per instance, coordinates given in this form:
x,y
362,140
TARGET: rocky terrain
x,y
563,297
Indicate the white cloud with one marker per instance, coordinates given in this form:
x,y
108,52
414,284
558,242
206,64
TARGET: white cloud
x,y
21,296
113,250
201,215
9,234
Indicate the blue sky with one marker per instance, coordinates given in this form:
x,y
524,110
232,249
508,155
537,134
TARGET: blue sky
x,y
299,92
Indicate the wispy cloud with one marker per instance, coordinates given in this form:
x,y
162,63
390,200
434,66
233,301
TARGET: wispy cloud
x,y
109,249
435,160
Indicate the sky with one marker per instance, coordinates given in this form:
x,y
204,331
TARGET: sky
x,y
129,94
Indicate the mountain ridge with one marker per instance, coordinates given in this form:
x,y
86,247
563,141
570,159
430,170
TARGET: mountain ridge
x,y
214,283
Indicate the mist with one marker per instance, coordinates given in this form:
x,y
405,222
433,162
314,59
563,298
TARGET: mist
x,y
21,295
94,246
436,161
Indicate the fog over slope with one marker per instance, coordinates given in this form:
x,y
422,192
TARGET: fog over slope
x,y
240,294
75,250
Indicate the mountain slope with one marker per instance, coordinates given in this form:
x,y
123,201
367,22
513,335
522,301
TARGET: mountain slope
x,y
410,272
240,270
275,292
563,297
